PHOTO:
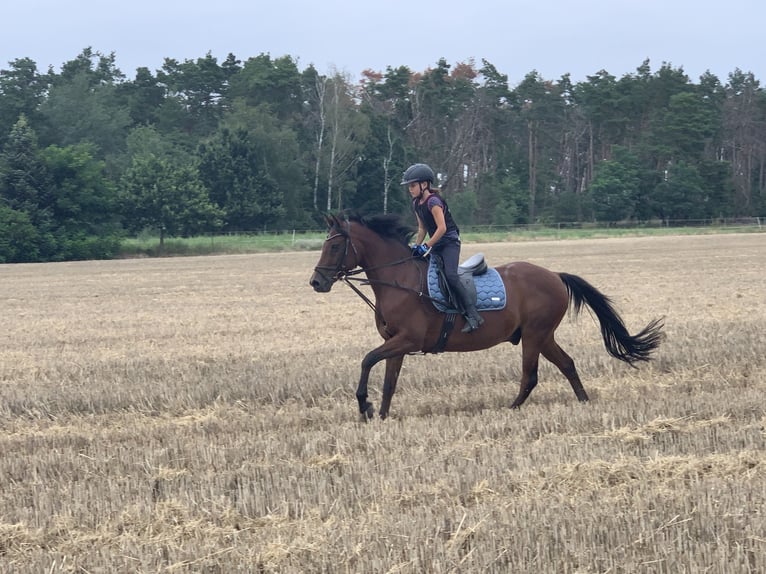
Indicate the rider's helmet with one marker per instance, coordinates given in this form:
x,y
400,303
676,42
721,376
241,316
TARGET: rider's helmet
x,y
418,172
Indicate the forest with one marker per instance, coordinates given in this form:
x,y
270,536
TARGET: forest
x,y
89,156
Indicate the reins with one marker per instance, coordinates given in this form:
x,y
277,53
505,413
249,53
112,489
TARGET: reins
x,y
348,276
349,279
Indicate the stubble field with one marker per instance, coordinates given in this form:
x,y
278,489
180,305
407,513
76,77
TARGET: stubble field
x,y
198,415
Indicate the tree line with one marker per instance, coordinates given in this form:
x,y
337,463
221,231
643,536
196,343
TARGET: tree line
x,y
88,156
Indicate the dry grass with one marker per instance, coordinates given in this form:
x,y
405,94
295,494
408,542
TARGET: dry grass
x,y
197,415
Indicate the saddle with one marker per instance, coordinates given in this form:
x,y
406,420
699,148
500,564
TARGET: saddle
x,y
482,283
474,265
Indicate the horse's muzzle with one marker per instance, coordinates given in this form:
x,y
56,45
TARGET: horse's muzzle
x,y
320,283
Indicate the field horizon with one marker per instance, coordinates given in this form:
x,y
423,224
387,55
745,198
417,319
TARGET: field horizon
x,y
197,414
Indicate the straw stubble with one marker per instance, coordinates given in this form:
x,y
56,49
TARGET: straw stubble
x,y
198,414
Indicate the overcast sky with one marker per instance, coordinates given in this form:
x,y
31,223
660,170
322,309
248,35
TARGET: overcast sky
x,y
553,37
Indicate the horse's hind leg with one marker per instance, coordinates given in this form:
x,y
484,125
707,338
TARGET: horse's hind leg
x,y
565,364
393,367
530,354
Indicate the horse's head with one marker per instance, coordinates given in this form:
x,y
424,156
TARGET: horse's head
x,y
338,256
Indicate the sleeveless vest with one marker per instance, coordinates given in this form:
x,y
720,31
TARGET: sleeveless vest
x,y
423,211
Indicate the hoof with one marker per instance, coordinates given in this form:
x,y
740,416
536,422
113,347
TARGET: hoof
x,y
367,413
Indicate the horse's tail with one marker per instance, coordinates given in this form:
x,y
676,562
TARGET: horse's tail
x,y
618,342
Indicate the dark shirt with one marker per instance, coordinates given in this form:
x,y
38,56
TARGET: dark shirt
x,y
424,213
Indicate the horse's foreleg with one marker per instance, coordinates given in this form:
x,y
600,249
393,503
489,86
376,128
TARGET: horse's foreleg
x,y
370,360
393,349
393,367
565,364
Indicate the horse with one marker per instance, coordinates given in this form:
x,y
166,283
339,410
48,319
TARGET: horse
x,y
410,323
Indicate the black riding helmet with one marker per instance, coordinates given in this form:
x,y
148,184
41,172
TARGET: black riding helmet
x,y
418,172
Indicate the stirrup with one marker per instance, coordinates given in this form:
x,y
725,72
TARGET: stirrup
x,y
472,323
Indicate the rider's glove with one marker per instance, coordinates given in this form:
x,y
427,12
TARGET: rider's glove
x,y
420,250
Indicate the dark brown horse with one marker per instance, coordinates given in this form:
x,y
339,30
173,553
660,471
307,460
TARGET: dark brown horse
x,y
407,319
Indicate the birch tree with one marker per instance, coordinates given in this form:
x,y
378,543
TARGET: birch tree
x,y
347,130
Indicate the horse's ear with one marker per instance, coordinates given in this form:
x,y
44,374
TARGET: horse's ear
x,y
332,221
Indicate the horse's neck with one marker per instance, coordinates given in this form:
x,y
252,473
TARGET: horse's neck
x,y
390,265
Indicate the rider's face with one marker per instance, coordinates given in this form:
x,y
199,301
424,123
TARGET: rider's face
x,y
414,188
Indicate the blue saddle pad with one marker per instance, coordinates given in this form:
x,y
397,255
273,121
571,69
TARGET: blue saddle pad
x,y
490,290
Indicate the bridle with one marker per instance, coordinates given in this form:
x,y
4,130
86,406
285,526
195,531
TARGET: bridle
x,y
340,272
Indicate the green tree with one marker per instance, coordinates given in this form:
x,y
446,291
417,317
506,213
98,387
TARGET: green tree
x,y
464,206
445,123
718,188
82,106
25,188
19,240
501,200
501,197
347,132
274,83
681,193
601,103
143,97
22,90
615,189
684,129
254,171
239,183
84,211
166,196
385,103
99,68
745,138
197,91
541,116
713,95
77,111
24,181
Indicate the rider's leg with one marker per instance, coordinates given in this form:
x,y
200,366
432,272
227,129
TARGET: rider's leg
x,y
451,255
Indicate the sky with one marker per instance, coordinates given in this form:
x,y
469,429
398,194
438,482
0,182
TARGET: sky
x,y
551,37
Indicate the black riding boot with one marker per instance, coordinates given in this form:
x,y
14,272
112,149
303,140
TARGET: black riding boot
x,y
472,318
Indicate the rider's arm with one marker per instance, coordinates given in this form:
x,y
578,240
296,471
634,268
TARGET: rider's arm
x,y
421,232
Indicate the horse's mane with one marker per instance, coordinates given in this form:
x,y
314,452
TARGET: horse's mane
x,y
388,226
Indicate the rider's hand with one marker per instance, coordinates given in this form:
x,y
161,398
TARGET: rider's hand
x,y
420,250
